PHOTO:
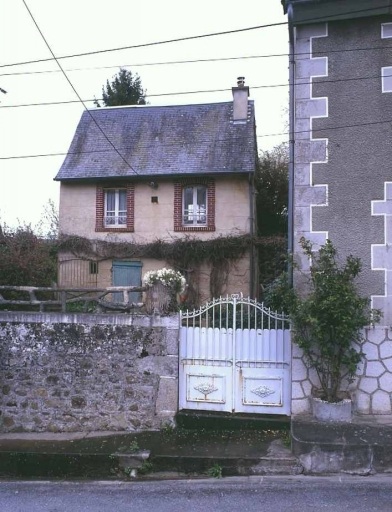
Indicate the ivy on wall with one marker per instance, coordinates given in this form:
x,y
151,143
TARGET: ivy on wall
x,y
188,254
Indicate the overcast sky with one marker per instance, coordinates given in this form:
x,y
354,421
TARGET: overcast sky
x,y
81,26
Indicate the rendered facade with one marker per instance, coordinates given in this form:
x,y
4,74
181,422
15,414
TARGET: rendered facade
x,y
341,112
138,174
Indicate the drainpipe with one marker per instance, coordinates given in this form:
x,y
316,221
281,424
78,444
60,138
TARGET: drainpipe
x,y
253,291
290,205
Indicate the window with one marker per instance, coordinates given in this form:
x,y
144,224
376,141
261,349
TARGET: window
x,y
194,205
115,208
386,77
93,267
386,30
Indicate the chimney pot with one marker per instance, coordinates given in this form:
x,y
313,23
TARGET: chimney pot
x,y
241,81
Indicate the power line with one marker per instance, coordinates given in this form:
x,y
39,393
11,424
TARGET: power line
x,y
205,91
75,91
208,141
142,64
144,45
188,38
196,61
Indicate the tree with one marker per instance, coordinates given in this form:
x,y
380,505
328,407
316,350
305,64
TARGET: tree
x,y
271,183
48,226
125,89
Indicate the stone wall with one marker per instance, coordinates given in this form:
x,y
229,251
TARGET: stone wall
x,y
371,390
80,372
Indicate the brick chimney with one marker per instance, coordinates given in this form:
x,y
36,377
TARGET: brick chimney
x,y
240,101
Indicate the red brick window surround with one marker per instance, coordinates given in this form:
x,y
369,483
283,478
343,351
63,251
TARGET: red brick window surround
x,y
179,217
101,223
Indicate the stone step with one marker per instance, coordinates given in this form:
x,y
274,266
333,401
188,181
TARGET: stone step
x,y
185,453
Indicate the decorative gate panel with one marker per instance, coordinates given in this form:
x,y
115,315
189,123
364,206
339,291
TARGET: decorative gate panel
x,y
235,357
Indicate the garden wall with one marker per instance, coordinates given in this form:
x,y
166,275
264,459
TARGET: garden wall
x,y
80,372
372,389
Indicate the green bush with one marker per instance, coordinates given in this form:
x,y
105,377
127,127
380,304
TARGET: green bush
x,y
328,319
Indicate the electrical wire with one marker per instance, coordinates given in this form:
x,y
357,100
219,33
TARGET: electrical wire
x,y
205,91
164,94
208,141
144,45
196,61
188,38
75,91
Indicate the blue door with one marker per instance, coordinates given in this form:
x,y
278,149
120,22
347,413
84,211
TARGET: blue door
x,y
127,273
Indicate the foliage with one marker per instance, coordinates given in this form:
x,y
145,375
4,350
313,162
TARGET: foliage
x,y
271,182
48,226
272,258
328,320
215,471
185,254
146,467
124,89
166,276
26,259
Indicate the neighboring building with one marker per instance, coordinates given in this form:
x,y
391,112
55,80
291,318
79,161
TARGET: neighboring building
x,y
138,174
341,118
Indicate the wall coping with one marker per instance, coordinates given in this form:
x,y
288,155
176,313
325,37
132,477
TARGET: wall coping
x,y
170,321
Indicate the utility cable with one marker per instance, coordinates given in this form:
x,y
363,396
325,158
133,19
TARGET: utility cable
x,y
206,91
196,61
208,141
188,38
144,45
75,91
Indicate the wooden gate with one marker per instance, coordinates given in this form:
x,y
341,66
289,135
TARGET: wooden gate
x,y
235,357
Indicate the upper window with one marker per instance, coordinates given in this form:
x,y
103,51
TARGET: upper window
x,y
386,30
115,208
386,77
194,205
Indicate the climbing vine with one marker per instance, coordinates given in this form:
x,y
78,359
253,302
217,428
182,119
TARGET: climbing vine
x,y
185,254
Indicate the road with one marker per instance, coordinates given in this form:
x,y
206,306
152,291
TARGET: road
x,y
272,494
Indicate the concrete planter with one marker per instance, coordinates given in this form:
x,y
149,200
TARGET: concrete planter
x,y
332,411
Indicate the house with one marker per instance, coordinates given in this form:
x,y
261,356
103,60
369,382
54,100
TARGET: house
x,y
341,171
137,177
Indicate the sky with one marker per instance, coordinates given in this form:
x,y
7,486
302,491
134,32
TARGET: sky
x,y
35,138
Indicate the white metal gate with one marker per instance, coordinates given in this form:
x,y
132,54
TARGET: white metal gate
x,y
235,357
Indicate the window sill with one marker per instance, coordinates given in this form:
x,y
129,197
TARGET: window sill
x,y
194,228
123,229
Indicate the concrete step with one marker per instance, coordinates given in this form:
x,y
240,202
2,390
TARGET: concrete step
x,y
277,460
179,452
361,447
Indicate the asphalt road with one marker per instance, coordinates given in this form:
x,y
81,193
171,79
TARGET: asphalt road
x,y
272,494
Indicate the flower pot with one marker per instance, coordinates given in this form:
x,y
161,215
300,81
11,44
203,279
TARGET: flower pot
x,y
332,411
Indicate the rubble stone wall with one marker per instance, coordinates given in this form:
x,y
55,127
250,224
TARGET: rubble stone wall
x,y
80,372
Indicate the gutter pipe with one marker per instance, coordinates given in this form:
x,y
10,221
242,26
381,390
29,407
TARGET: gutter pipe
x,y
290,205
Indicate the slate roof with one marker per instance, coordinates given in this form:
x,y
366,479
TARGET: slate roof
x,y
161,141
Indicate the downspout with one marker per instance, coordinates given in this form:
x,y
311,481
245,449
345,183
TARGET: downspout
x,y
290,205
253,274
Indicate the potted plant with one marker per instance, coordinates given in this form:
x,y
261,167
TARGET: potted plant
x,y
328,320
